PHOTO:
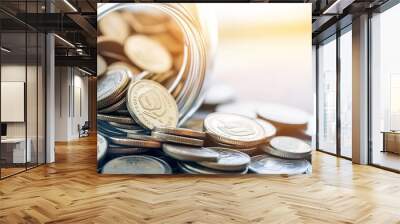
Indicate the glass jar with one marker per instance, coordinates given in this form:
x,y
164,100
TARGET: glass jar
x,y
199,32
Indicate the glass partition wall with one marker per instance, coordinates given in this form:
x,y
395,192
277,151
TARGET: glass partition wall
x,y
22,77
334,75
385,89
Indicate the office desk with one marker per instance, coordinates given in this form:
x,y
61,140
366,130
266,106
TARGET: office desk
x,y
391,141
13,150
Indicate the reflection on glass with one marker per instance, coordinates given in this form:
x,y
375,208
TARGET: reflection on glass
x,y
327,96
31,97
346,93
15,150
385,103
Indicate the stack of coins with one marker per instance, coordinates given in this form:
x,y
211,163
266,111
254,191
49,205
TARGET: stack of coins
x,y
149,44
235,131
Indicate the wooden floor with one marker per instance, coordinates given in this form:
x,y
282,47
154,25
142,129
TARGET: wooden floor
x,y
70,191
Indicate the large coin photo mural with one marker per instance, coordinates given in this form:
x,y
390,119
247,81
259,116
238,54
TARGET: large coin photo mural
x,y
186,88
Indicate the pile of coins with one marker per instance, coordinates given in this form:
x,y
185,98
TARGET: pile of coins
x,y
149,45
141,76
138,134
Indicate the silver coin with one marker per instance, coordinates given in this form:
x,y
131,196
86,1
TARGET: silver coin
x,y
181,132
136,164
125,126
110,85
142,137
130,131
117,119
101,147
265,164
188,153
228,160
107,133
177,139
194,168
119,105
234,129
135,142
116,150
288,147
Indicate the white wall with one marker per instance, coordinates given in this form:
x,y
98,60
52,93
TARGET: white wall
x,y
70,83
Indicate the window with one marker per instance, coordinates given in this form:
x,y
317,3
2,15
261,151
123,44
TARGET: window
x,y
327,96
385,89
346,93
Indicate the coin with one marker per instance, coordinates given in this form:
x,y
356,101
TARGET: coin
x,y
142,137
269,129
146,23
136,164
125,126
148,54
135,142
193,168
288,147
119,105
169,42
113,25
283,116
265,164
117,119
101,65
177,139
181,132
150,104
117,150
107,46
234,129
123,65
228,160
110,85
101,148
188,153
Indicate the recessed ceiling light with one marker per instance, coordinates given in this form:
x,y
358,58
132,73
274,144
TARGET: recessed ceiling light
x,y
70,5
5,50
64,40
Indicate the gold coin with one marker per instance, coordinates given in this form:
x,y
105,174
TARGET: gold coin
x,y
150,104
151,22
113,25
172,45
148,54
101,65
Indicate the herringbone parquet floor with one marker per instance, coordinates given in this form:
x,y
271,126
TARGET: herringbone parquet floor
x,y
70,191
